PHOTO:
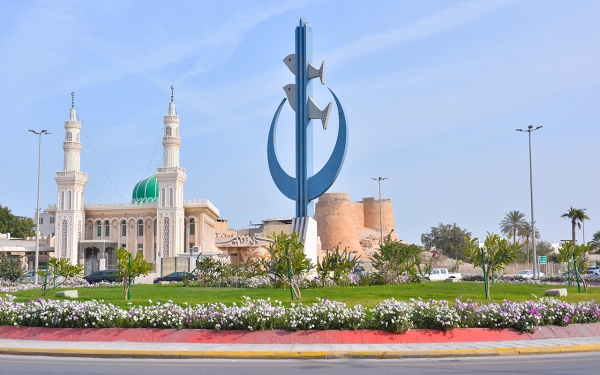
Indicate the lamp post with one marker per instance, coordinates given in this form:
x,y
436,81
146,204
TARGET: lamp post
x,y
37,210
379,179
535,265
583,227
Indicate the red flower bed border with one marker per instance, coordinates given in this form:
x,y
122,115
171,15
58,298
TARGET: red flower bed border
x,y
286,337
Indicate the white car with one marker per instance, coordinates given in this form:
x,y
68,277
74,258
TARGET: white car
x,y
528,274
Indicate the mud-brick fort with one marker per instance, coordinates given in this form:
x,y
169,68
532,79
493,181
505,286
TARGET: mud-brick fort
x,y
353,225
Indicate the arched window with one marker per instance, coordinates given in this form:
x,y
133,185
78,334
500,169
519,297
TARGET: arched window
x,y
140,227
155,225
98,228
106,228
162,197
168,131
123,228
192,227
171,197
62,200
69,200
69,136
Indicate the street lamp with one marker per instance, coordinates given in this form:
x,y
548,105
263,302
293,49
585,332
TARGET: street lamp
x,y
583,226
37,210
535,267
379,179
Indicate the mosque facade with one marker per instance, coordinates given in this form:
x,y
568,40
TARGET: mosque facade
x,y
157,222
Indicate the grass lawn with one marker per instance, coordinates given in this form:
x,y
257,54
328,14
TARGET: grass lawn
x,y
368,296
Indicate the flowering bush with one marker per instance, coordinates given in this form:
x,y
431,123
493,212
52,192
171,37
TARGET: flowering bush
x,y
389,315
9,286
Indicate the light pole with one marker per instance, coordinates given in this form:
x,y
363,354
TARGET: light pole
x,y
583,227
379,179
37,210
535,266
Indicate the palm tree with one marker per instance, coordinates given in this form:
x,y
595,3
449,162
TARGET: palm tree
x,y
595,242
577,216
511,224
524,232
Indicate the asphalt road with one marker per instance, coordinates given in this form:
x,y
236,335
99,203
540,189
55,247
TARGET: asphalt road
x,y
586,363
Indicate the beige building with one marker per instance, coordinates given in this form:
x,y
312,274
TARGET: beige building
x,y
157,222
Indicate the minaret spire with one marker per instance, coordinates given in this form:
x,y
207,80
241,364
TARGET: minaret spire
x,y
171,140
72,144
73,113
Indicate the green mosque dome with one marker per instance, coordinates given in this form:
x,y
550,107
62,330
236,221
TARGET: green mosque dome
x,y
145,191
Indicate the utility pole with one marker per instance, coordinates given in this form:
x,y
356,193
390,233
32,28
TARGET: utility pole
x,y
37,210
535,265
379,179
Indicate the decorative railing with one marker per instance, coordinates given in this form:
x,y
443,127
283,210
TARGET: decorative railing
x,y
109,206
70,143
71,174
169,169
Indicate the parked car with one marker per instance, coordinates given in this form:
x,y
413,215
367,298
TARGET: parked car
x,y
99,276
593,271
359,270
442,274
29,278
175,277
528,274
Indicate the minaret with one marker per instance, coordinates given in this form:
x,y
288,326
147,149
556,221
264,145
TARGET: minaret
x,y
170,213
70,216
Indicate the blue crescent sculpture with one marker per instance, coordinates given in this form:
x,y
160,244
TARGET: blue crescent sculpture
x,y
306,187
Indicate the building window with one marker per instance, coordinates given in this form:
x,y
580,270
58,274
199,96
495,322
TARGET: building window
x,y
69,200
140,227
62,200
52,220
168,131
41,220
123,228
154,227
192,246
140,248
106,228
192,227
123,246
162,198
171,197
69,136
98,229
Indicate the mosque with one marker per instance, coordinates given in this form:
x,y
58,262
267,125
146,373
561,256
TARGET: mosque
x,y
157,222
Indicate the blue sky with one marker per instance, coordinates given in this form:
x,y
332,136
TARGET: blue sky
x,y
433,92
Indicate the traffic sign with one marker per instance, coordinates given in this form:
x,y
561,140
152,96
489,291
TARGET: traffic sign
x,y
543,259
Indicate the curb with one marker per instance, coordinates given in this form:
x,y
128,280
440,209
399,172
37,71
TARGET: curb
x,y
280,354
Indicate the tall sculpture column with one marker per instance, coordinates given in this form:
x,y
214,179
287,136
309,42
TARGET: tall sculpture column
x,y
305,187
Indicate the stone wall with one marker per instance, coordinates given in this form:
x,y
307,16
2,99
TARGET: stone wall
x,y
335,224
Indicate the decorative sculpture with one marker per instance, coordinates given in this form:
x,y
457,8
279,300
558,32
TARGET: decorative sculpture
x,y
306,187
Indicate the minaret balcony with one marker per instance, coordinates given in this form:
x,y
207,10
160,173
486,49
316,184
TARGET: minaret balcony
x,y
171,119
71,174
72,144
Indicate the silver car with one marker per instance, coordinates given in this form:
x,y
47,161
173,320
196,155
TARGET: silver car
x,y
528,274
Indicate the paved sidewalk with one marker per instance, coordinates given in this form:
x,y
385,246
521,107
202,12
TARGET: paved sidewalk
x,y
297,351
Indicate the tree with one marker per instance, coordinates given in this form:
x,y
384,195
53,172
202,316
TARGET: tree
x,y
340,263
524,232
395,258
577,216
544,248
595,242
59,271
496,254
512,222
129,267
447,239
17,226
576,255
10,269
288,262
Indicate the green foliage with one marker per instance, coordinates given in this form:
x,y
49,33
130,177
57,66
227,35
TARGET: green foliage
x,y
17,226
497,254
129,267
577,216
10,269
288,262
339,264
59,271
447,239
512,225
595,242
395,258
576,257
